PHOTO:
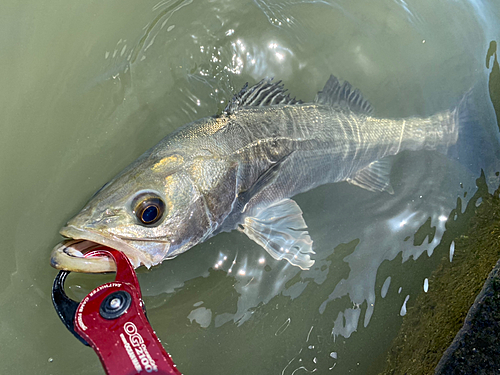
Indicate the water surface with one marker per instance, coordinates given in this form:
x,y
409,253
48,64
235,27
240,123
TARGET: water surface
x,y
87,87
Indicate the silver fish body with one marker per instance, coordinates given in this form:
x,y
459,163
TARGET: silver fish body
x,y
239,170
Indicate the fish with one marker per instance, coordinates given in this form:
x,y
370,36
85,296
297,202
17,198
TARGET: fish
x,y
239,170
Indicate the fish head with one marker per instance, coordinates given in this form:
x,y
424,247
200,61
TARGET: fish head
x,y
152,211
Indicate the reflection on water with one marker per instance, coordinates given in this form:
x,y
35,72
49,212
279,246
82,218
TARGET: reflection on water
x,y
355,231
494,81
225,306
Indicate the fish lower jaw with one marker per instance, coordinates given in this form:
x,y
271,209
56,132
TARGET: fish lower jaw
x,y
68,255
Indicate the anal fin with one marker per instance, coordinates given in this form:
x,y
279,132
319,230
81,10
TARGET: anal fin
x,y
281,230
375,177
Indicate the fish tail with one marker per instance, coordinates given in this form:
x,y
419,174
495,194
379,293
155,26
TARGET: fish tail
x,y
476,142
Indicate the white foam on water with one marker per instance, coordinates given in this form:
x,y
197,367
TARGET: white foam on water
x,y
385,287
202,316
403,308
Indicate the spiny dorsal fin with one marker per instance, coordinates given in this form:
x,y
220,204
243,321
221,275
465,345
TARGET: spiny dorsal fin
x,y
264,93
343,95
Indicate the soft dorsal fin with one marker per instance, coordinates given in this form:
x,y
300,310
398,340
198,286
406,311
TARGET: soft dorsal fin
x,y
343,95
262,94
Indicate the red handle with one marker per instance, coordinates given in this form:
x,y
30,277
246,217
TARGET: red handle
x,y
111,319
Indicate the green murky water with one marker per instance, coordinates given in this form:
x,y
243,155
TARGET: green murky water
x,y
86,87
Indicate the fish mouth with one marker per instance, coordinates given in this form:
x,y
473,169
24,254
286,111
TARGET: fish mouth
x,y
68,254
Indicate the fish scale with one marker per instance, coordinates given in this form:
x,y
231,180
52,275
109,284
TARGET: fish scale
x,y
239,170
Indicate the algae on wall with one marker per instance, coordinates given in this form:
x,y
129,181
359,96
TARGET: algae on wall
x,y
431,324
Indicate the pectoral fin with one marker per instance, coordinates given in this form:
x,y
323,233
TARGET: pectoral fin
x,y
282,231
375,177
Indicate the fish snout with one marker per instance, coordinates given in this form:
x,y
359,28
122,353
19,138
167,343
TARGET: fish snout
x,y
91,219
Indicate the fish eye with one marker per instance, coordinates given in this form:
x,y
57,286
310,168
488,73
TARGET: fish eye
x,y
149,208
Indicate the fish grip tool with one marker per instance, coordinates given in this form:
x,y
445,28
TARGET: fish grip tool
x,y
111,319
